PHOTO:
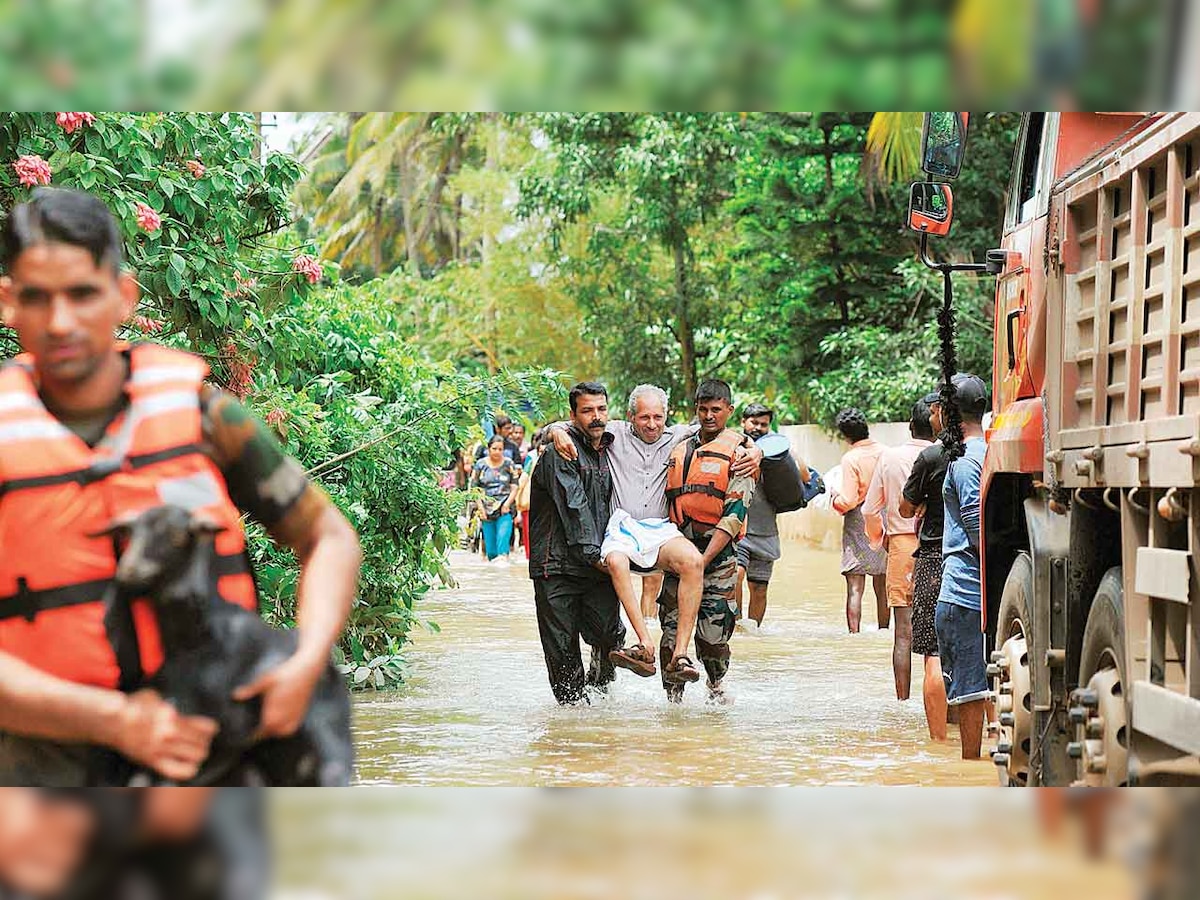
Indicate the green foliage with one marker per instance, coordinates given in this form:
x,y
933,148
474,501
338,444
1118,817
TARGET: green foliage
x,y
375,421
883,370
666,176
213,226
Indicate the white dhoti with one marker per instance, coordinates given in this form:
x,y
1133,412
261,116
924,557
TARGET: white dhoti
x,y
639,539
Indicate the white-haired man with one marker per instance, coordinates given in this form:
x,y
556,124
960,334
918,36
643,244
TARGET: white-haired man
x,y
638,458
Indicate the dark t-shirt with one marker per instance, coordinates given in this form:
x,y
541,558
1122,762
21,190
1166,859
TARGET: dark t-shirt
x,y
924,485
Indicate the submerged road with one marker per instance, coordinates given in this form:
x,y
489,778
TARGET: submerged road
x,y
813,705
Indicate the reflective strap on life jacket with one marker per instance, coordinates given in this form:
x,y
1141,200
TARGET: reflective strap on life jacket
x,y
98,471
27,604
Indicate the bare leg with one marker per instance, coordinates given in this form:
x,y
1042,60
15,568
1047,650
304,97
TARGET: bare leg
x,y
902,652
855,586
651,586
618,571
883,615
680,556
934,691
758,601
970,728
1051,807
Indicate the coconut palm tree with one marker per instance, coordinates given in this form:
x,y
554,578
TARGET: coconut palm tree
x,y
378,188
893,148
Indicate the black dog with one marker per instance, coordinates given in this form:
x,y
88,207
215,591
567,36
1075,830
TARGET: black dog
x,y
212,647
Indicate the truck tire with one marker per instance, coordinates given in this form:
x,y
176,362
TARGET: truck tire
x,y
1103,736
1013,676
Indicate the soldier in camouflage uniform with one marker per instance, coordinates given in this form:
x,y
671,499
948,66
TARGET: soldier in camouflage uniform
x,y
718,544
65,293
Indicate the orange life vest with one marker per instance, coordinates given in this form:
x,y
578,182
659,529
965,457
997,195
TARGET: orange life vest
x,y
56,492
698,477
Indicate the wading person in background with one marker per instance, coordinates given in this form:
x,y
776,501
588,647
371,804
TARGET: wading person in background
x,y
504,428
923,500
531,458
898,536
499,478
517,437
759,547
707,502
92,430
959,631
640,450
568,509
859,558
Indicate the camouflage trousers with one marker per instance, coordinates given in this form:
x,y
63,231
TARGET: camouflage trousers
x,y
714,625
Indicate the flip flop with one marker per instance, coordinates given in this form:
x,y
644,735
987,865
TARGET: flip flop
x,y
680,670
637,659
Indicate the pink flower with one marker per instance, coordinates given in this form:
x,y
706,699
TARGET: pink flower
x,y
148,220
308,267
146,325
32,170
276,417
69,121
195,167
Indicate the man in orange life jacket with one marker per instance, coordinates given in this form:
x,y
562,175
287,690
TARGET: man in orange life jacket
x,y
91,430
708,503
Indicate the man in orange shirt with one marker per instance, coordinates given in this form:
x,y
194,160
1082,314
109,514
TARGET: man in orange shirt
x,y
898,536
859,558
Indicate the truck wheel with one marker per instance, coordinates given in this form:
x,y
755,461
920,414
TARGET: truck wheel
x,y
1099,708
1013,677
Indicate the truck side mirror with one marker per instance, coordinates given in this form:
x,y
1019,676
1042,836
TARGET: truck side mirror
x,y
944,143
931,208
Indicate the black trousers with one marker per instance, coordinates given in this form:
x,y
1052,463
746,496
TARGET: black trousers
x,y
569,608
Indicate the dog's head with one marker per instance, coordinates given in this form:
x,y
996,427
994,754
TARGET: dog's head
x,y
159,544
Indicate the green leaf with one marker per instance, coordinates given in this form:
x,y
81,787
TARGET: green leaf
x,y
174,281
167,185
178,263
361,674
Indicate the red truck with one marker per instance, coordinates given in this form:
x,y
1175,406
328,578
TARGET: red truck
x,y
1088,541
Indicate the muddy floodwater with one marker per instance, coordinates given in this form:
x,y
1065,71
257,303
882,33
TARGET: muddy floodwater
x,y
813,705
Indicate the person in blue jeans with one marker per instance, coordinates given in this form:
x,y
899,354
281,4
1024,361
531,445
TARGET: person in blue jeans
x,y
498,476
957,620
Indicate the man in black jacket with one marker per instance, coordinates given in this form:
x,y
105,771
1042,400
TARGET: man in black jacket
x,y
568,511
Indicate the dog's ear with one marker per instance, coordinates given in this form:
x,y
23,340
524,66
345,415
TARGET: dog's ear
x,y
202,526
120,525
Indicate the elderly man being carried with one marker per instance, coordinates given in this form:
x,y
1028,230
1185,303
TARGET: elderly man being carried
x,y
640,536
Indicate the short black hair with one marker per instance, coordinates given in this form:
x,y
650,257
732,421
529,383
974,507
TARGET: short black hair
x,y
714,389
919,423
502,420
586,387
60,216
753,410
496,437
852,424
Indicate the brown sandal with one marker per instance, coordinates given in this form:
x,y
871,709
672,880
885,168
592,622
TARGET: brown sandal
x,y
637,659
680,670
